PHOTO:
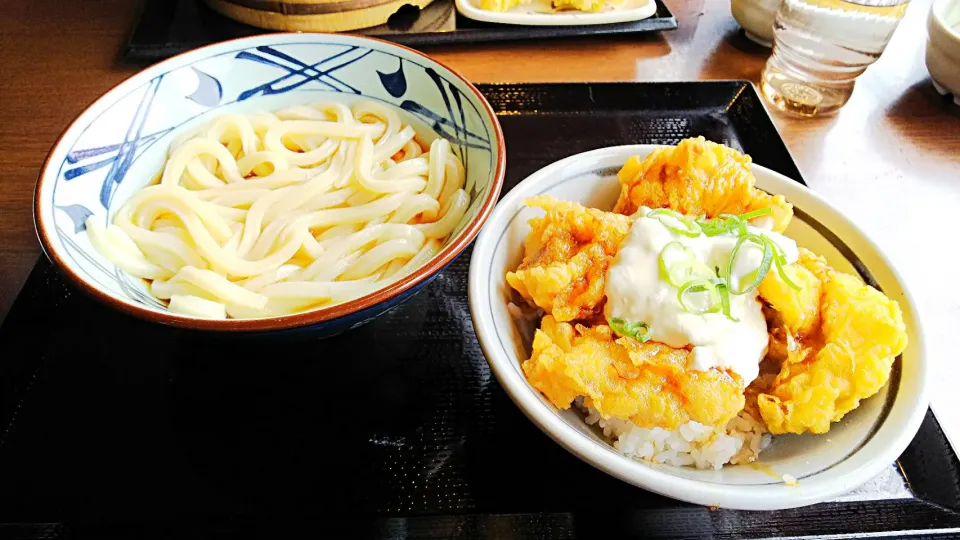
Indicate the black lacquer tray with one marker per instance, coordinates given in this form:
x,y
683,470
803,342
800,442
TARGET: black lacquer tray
x,y
168,27
115,428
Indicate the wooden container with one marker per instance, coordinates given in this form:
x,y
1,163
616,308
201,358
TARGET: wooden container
x,y
312,15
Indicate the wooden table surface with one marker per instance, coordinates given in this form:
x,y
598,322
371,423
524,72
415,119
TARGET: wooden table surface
x,y
890,159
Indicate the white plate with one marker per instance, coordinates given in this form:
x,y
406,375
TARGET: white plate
x,y
857,449
539,13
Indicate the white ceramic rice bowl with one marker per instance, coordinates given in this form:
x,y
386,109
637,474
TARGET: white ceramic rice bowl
x,y
943,47
856,449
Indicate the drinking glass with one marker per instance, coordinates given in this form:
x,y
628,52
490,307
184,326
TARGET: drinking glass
x,y
821,47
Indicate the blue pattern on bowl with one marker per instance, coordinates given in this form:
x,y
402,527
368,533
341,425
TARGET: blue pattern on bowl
x,y
118,144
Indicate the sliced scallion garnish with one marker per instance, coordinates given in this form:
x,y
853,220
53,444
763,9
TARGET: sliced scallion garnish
x,y
725,300
678,264
741,223
639,331
699,287
780,260
728,223
723,224
755,213
676,222
755,276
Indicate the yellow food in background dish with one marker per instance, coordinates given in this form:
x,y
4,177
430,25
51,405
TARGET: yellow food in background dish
x,y
500,5
744,334
558,5
583,5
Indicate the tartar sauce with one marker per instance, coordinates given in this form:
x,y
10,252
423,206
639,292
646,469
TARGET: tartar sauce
x,y
637,292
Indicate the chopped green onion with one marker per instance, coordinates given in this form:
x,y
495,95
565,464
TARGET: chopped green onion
x,y
741,224
678,264
725,301
728,223
639,331
763,243
777,250
780,260
693,279
683,272
700,286
756,213
670,218
723,224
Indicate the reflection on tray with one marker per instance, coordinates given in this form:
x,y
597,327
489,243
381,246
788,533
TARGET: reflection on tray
x,y
439,16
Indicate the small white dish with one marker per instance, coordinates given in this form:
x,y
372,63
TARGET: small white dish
x,y
756,18
857,449
943,47
539,13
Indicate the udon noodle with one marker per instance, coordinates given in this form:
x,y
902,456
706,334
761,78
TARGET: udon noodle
x,y
269,214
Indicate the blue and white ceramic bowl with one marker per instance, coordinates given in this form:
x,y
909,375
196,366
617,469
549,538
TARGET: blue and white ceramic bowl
x,y
120,142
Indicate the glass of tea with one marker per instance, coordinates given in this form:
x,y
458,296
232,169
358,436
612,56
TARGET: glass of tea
x,y
821,47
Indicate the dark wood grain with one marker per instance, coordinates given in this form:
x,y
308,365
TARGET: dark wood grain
x,y
895,147
56,58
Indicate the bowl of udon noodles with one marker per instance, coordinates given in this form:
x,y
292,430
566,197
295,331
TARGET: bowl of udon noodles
x,y
278,182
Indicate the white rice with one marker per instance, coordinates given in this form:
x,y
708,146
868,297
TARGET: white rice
x,y
693,444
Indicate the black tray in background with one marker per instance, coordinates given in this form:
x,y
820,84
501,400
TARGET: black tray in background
x,y
169,27
115,428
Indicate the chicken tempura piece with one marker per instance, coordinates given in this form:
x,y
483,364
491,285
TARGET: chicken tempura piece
x,y
566,258
799,311
697,177
846,360
646,383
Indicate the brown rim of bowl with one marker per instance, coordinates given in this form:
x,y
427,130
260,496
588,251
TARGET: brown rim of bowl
x,y
307,318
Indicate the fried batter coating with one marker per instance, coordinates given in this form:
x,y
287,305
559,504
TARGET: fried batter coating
x,y
798,310
697,177
832,342
566,258
647,383
846,360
